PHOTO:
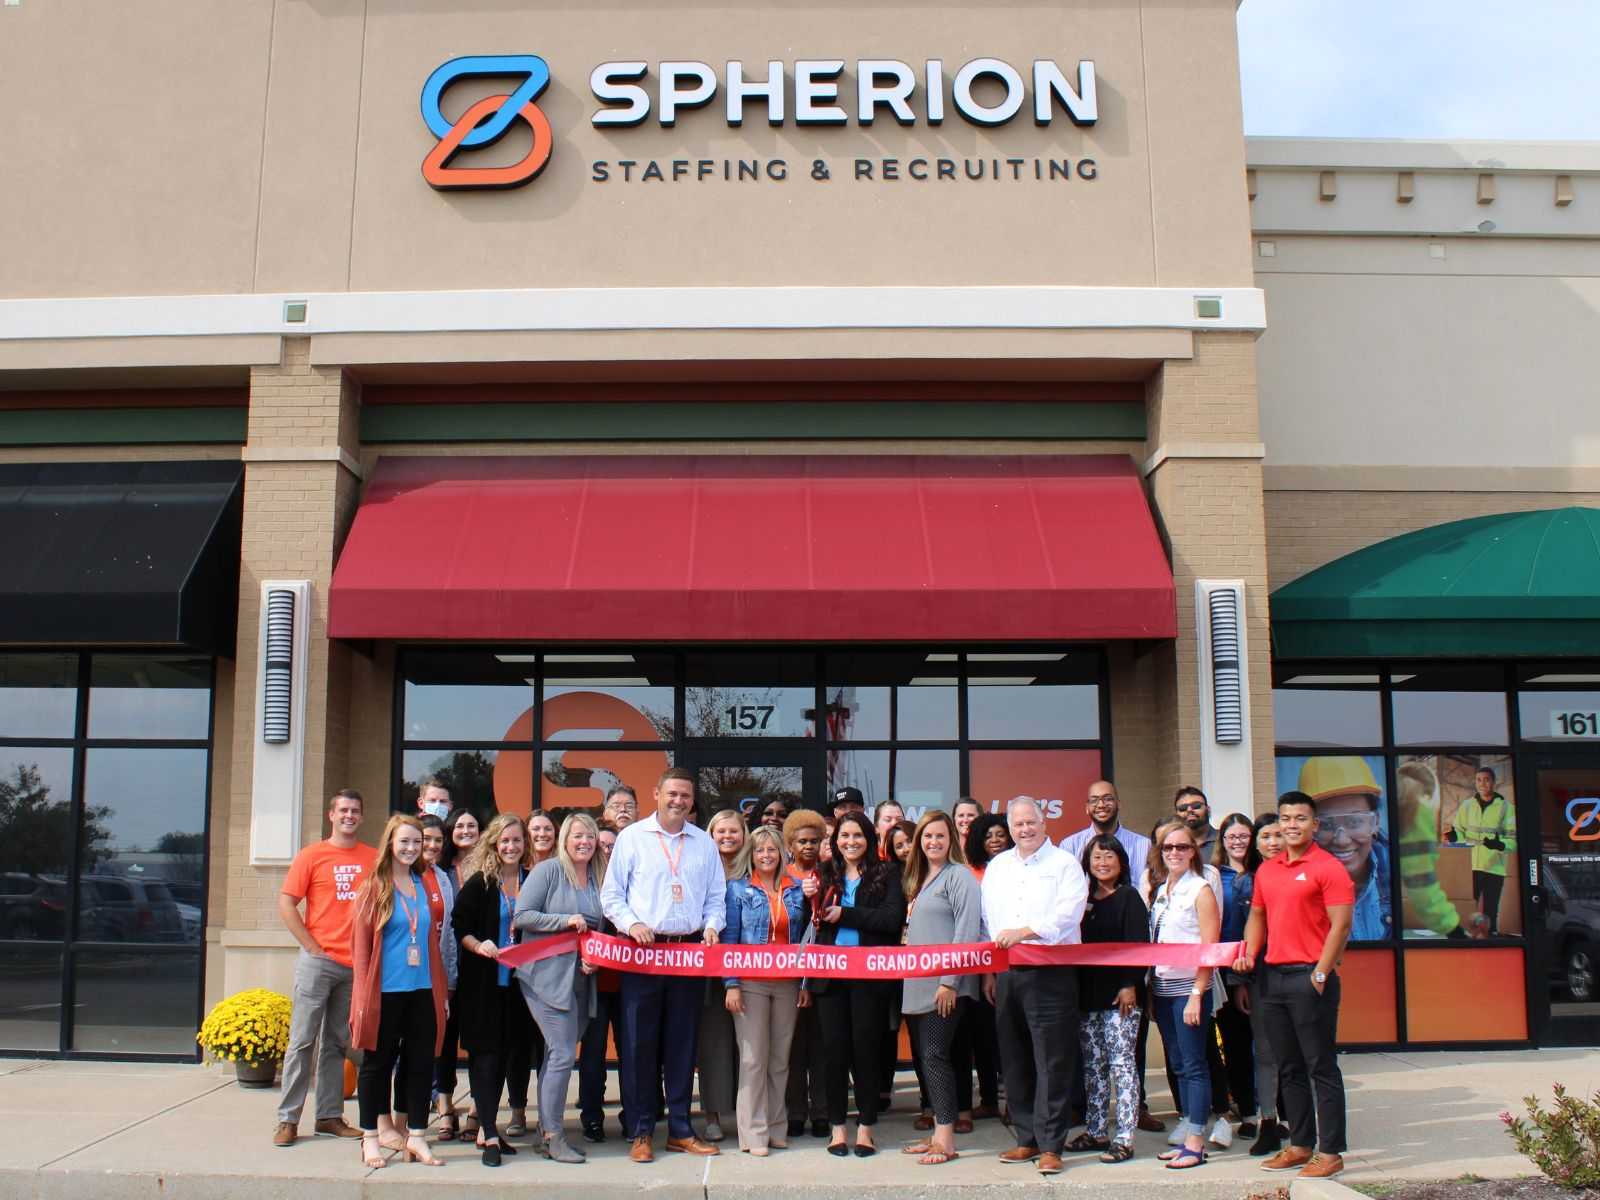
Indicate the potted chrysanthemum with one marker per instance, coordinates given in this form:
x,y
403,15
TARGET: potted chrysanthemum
x,y
251,1030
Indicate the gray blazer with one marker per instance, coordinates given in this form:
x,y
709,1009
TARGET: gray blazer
x,y
946,911
545,902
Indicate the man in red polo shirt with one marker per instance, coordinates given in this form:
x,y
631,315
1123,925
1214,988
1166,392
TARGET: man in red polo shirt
x,y
1302,910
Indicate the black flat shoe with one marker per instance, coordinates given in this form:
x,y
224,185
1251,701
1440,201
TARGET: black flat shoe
x,y
838,1149
594,1133
865,1151
1269,1141
491,1156
797,1128
820,1129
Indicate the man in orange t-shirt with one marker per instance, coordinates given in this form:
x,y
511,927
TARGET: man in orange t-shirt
x,y
326,876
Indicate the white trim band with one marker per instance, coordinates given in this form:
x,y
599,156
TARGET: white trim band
x,y
577,309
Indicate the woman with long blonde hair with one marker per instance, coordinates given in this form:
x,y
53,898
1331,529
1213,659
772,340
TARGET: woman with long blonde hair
x,y
398,993
496,1028
719,1050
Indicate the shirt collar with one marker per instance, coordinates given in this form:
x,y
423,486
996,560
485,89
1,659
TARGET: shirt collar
x,y
1046,848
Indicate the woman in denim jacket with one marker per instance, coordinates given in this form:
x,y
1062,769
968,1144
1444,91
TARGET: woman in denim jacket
x,y
765,907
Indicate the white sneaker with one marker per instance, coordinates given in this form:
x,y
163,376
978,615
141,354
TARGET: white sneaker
x,y
1175,1137
1222,1134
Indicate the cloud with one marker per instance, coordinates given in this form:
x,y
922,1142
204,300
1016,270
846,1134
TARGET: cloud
x,y
1420,68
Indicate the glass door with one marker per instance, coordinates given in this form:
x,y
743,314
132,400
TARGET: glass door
x,y
1564,898
757,781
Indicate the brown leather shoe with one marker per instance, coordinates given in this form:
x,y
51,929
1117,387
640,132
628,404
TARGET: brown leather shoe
x,y
1150,1123
285,1134
1019,1154
641,1152
1290,1158
1322,1166
337,1127
1049,1164
691,1145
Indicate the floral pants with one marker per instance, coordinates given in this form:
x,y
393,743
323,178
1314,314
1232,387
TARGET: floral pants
x,y
1109,1039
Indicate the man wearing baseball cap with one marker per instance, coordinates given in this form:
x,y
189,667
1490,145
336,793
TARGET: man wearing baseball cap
x,y
847,799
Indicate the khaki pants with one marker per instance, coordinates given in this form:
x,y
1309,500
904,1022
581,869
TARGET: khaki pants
x,y
319,1027
764,1031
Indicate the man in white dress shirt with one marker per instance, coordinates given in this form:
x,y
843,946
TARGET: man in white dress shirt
x,y
664,884
1035,893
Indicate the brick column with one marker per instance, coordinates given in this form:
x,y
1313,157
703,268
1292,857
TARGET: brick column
x,y
301,490
1203,471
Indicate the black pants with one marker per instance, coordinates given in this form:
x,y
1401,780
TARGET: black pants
x,y
1140,1053
592,1059
806,1089
853,1020
1238,1055
492,1071
444,1070
404,1019
1487,887
975,1047
889,1066
933,1036
1036,1025
1301,1026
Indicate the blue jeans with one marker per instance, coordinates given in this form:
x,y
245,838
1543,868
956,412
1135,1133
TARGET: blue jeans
x,y
1186,1051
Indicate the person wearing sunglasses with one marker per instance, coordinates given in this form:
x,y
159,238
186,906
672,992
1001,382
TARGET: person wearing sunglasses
x,y
1192,808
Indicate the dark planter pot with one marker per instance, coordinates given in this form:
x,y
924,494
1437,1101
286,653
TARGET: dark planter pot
x,y
256,1075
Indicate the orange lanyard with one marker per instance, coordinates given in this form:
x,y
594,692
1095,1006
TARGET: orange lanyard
x,y
411,917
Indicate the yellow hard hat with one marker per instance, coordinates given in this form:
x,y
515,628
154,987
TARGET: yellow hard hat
x,y
1322,777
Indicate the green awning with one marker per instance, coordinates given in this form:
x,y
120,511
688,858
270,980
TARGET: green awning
x,y
1512,585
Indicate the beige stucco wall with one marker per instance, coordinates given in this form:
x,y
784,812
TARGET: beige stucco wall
x,y
287,155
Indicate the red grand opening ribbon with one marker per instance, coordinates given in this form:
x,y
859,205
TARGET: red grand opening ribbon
x,y
858,962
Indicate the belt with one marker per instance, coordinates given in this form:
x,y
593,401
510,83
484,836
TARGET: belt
x,y
1292,968
697,935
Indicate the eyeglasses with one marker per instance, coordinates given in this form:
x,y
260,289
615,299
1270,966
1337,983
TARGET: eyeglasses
x,y
1349,823
1237,837
1193,806
1176,848
1097,801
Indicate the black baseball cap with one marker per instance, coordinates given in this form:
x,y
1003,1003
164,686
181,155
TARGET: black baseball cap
x,y
848,797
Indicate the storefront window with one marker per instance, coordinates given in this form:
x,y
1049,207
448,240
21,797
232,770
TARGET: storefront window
x,y
750,696
1458,845
35,839
133,696
1058,779
608,698
1037,697
1328,716
471,696
1565,717
134,1001
38,695
918,779
890,697
1450,718
471,776
580,777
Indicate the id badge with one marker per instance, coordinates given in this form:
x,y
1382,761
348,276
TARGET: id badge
x,y
677,893
413,956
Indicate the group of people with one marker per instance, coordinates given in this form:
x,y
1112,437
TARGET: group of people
x,y
400,949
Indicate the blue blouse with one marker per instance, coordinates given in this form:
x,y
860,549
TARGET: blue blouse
x,y
503,976
398,974
847,899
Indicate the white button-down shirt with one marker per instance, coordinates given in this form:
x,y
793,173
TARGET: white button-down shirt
x,y
1045,892
639,879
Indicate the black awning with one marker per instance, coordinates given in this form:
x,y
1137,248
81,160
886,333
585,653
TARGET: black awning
x,y
118,553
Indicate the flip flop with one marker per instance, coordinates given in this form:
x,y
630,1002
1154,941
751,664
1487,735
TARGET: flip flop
x,y
1184,1158
936,1157
921,1147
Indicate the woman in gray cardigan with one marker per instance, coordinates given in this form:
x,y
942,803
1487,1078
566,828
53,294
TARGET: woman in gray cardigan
x,y
942,896
559,894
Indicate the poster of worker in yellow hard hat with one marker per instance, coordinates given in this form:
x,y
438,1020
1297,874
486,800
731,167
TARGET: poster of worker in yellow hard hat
x,y
1353,826
1474,826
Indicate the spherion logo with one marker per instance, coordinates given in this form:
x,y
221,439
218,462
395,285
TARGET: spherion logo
x,y
486,121
1583,815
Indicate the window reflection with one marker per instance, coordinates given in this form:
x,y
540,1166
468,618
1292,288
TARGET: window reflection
x,y
469,774
35,841
750,695
581,777
890,696
141,696
142,849
38,695
135,1002
918,779
30,997
1450,718
1569,717
1313,717
1011,708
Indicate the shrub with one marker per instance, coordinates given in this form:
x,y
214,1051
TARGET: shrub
x,y
1563,1143
249,1027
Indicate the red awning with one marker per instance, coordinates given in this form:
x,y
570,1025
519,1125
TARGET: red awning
x,y
847,548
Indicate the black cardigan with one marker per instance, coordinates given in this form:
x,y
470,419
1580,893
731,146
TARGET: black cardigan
x,y
480,1004
1120,917
878,915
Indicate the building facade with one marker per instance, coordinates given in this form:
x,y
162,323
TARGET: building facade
x,y
538,400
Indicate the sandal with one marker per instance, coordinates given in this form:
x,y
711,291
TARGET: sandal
x,y
1117,1152
936,1157
518,1125
449,1127
374,1158
417,1151
1084,1144
919,1147
1183,1158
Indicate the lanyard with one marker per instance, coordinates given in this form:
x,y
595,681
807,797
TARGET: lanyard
x,y
672,860
411,915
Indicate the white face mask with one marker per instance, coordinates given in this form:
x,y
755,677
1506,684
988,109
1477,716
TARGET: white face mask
x,y
436,808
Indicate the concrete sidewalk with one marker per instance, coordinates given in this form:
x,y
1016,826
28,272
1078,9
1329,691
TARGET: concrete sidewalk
x,y
79,1130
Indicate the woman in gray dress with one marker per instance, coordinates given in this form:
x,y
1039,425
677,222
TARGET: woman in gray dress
x,y
943,901
561,893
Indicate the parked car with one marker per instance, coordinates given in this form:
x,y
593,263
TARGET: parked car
x,y
1571,932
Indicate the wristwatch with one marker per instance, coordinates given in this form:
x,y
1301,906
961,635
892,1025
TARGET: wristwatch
x,y
1319,977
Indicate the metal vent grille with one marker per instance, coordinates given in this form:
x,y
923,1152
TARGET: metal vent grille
x,y
1226,689
279,671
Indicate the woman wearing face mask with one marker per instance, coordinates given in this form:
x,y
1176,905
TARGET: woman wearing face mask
x,y
719,1049
765,907
1111,1000
563,893
860,904
460,836
398,992
496,1028
945,909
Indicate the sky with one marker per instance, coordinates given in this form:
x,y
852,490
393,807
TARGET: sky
x,y
1449,69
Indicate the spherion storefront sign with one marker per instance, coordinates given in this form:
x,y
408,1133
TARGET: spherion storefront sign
x,y
986,92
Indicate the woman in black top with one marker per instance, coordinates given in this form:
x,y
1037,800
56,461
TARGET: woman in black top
x,y
1110,999
859,903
